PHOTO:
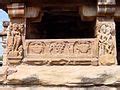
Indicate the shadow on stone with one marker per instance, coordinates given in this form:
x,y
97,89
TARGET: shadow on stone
x,y
33,79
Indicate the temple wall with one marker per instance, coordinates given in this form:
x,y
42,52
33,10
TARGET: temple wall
x,y
60,61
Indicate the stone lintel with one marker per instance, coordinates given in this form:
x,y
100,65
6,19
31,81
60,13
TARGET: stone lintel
x,y
87,12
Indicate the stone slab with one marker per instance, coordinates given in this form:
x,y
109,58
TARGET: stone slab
x,y
65,75
37,87
56,88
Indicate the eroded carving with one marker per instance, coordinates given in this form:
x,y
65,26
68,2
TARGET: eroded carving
x,y
106,42
81,47
106,45
59,47
37,47
60,52
14,40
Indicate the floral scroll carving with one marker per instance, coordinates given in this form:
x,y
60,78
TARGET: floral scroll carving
x,y
14,40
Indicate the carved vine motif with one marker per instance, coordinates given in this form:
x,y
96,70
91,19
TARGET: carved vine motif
x,y
58,47
106,45
14,40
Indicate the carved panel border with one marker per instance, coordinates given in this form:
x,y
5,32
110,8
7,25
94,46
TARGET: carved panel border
x,y
61,48
61,52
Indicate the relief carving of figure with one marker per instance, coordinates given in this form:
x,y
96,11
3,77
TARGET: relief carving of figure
x,y
17,39
106,45
9,38
14,39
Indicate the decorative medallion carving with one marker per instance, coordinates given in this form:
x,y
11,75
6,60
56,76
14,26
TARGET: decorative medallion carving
x,y
81,47
59,47
37,47
60,51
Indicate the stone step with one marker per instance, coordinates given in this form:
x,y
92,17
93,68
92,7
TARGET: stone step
x,y
65,75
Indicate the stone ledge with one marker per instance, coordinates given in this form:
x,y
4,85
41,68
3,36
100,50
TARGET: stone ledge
x,y
65,75
38,87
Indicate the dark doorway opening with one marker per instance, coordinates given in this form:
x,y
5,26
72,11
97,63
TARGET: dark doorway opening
x,y
118,41
61,25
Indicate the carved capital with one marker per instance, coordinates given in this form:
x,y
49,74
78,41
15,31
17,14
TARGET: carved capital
x,y
106,7
16,10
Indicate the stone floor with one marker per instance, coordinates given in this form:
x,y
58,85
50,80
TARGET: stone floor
x,y
57,88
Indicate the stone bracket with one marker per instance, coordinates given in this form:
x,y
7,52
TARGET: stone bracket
x,y
16,10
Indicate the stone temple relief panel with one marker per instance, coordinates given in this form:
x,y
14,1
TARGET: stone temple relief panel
x,y
14,41
106,42
61,49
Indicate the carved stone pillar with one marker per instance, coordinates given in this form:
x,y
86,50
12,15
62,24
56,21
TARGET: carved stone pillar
x,y
15,35
4,35
105,27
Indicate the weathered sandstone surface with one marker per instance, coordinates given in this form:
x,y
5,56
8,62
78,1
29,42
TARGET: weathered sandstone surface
x,y
62,75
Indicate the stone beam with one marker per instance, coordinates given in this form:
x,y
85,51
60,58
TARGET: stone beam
x,y
34,13
88,13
